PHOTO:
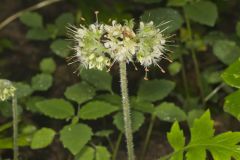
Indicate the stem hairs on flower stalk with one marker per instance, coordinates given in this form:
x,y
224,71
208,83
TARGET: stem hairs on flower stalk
x,y
7,91
99,46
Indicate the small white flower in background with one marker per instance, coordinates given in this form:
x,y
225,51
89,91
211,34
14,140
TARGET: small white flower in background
x,y
7,90
100,45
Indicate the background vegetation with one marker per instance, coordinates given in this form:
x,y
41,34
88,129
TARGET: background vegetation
x,y
65,116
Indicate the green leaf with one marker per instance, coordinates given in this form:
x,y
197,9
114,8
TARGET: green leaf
x,y
32,19
176,137
161,15
238,29
137,120
174,68
110,98
102,80
226,51
169,112
22,90
75,137
232,74
56,108
23,140
196,153
155,90
40,34
177,141
194,114
96,109
102,153
87,153
104,133
47,65
204,12
63,21
31,103
42,82
60,47
177,3
80,92
232,104
148,1
42,138
6,109
145,107
202,128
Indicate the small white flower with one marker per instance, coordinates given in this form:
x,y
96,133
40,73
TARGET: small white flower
x,y
7,90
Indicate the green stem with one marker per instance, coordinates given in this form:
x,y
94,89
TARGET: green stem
x,y
110,143
126,111
194,57
15,128
148,136
116,149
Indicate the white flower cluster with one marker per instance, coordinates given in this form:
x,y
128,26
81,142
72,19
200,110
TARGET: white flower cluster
x,y
7,90
99,44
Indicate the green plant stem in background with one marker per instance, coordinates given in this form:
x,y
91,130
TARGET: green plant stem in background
x,y
18,14
194,58
126,111
15,128
185,84
116,148
148,136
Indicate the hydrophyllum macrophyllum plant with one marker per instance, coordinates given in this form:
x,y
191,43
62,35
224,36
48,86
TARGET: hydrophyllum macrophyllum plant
x,y
101,45
7,91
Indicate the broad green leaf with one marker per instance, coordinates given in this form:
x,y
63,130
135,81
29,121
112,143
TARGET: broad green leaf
x,y
5,126
177,3
42,82
238,29
60,47
42,138
87,153
47,65
75,137
102,153
212,75
176,137
80,92
226,51
63,21
196,153
31,103
142,106
193,115
32,19
28,129
56,108
52,30
137,120
174,68
102,80
232,104
23,140
232,74
170,112
202,129
155,90
104,133
40,34
96,109
204,12
22,90
161,15
110,98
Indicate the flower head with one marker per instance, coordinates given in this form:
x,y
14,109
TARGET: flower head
x,y
99,44
7,90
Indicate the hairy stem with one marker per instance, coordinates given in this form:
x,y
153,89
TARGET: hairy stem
x,y
115,152
148,136
126,111
15,128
